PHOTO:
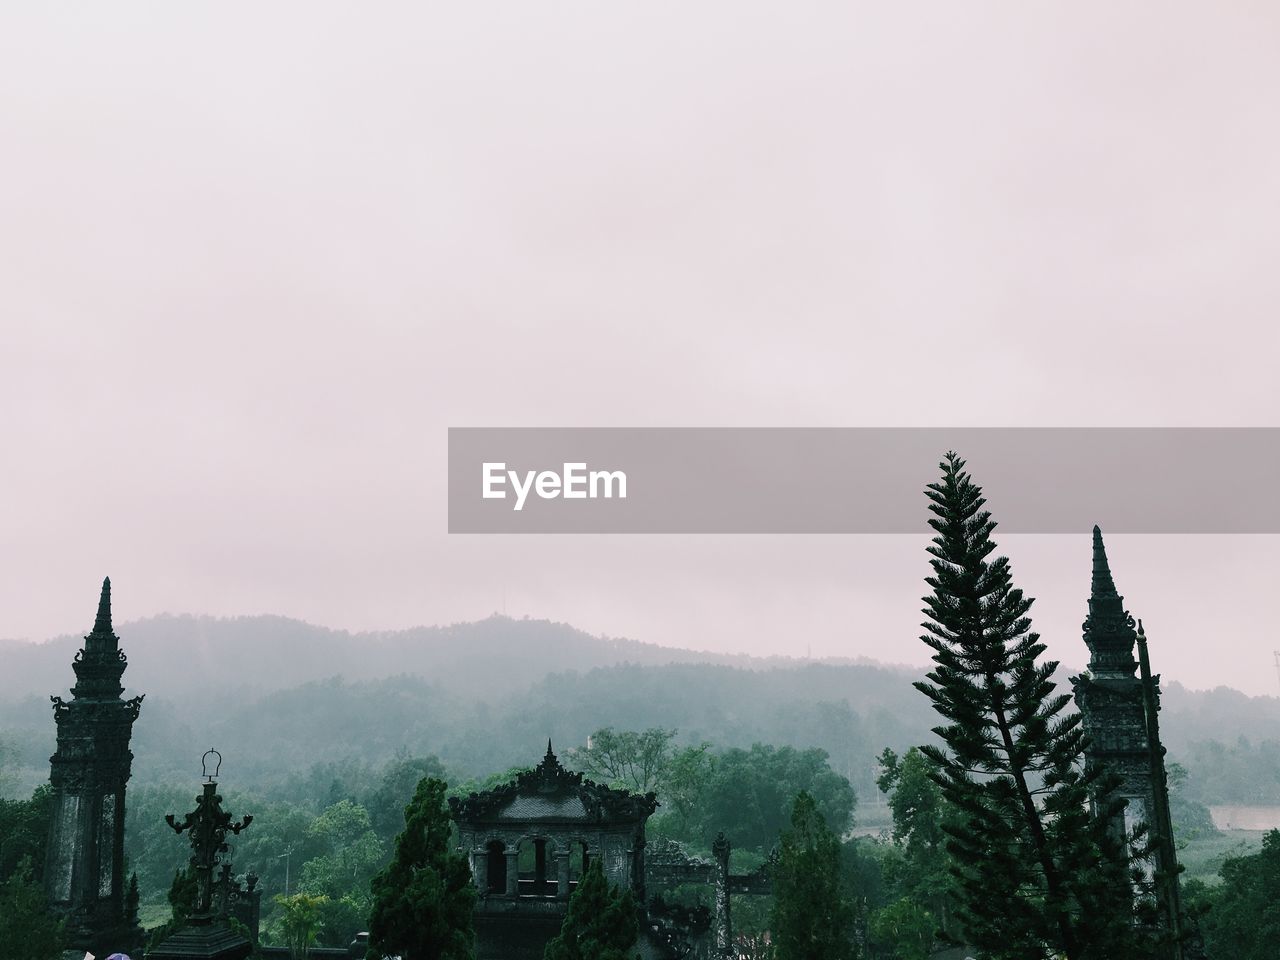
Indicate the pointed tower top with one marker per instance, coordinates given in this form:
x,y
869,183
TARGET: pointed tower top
x,y
103,623
101,639
1102,585
100,664
1108,630
551,755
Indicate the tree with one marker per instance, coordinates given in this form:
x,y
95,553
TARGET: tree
x,y
685,782
182,901
422,899
24,825
1038,875
300,921
27,930
753,790
400,777
353,854
812,917
602,922
906,927
922,878
1243,921
632,760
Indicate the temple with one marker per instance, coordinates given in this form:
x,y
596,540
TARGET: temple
x,y
84,869
1120,707
529,842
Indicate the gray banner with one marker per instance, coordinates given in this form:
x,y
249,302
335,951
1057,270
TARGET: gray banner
x,y
859,480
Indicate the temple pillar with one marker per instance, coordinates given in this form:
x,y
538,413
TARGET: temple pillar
x,y
480,869
723,921
562,874
513,873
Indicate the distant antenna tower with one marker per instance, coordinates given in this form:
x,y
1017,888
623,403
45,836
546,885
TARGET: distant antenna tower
x,y
1277,653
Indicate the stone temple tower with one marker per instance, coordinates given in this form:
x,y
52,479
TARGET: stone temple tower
x,y
1110,696
84,870
1119,700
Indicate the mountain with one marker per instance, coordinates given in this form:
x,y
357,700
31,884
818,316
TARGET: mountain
x,y
281,696
184,656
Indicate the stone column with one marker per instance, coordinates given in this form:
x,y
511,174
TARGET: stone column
x,y
724,923
513,873
562,874
637,871
480,869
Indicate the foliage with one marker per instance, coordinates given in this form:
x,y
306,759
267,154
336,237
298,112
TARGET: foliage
x,y
751,920
680,921
812,917
182,901
27,930
299,921
1191,819
1242,914
921,878
685,783
749,794
352,855
634,760
906,928
1037,874
400,777
602,922
648,760
24,827
422,899
463,788
1245,771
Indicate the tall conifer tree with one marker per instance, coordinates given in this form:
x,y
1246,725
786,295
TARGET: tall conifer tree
x,y
1038,874
812,917
602,922
422,899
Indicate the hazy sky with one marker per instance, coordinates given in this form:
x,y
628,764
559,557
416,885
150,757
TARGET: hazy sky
x,y
256,258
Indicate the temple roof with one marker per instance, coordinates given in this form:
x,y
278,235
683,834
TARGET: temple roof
x,y
550,793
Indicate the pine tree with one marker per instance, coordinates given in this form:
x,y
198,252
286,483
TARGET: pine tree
x,y
422,899
602,922
1038,874
812,917
131,901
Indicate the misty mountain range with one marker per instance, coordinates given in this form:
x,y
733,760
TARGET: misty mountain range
x,y
281,696
177,656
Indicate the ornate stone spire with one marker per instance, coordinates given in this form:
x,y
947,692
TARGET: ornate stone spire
x,y
1108,629
101,663
84,867
102,625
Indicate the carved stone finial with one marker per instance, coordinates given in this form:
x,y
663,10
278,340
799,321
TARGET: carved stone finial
x,y
1102,583
103,622
720,847
1108,629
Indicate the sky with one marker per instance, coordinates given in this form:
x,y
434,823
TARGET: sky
x,y
255,260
